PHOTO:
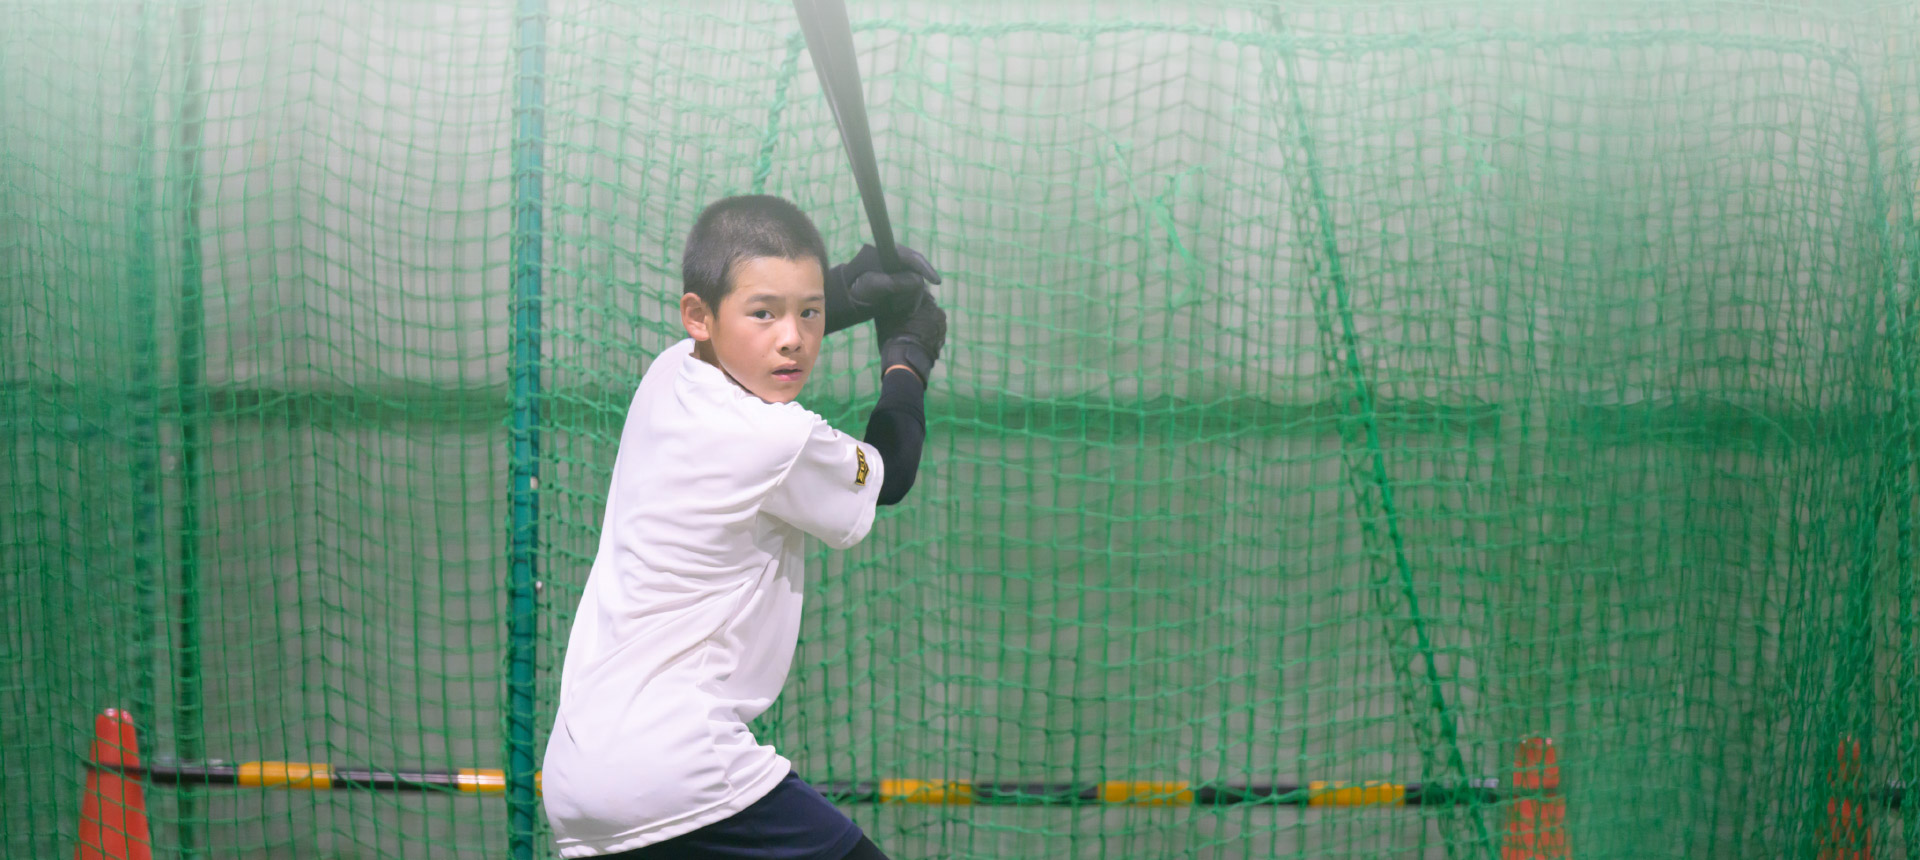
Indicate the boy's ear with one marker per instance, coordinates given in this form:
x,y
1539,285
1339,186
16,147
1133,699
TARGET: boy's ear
x,y
695,315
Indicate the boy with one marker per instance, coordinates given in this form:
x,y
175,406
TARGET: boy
x,y
688,622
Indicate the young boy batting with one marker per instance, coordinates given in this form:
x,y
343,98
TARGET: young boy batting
x,y
690,616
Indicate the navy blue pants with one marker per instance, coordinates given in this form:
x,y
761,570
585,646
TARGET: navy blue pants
x,y
793,822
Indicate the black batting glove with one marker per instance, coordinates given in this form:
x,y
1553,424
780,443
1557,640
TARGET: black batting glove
x,y
859,289
913,337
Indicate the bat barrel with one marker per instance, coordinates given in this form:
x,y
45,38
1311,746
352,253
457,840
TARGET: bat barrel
x,y
830,42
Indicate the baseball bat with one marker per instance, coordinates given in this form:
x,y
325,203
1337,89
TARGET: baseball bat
x,y
830,42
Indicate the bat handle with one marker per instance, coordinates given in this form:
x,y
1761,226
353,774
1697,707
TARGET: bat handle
x,y
882,229
889,254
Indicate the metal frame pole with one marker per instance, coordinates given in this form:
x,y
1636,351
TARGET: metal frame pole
x,y
190,360
528,135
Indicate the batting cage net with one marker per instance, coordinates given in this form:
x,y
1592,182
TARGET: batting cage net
x,y
1335,394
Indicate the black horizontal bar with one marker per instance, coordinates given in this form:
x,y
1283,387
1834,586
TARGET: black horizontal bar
x,y
985,793
173,774
402,780
165,772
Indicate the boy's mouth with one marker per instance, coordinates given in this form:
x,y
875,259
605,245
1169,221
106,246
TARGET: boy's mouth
x,y
788,374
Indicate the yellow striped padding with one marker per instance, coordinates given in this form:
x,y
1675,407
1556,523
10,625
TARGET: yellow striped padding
x,y
1361,794
1147,793
473,780
934,792
286,774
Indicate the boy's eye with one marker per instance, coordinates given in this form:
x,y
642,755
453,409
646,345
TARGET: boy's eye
x,y
761,314
810,313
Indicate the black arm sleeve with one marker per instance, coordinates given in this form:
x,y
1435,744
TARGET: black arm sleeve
x,y
897,428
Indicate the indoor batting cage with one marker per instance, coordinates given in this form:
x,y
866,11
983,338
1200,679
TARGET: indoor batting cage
x,y
1403,429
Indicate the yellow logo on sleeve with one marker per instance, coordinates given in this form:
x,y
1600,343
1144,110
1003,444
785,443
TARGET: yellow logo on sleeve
x,y
860,475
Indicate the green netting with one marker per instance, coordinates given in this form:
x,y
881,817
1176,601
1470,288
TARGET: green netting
x,y
1335,392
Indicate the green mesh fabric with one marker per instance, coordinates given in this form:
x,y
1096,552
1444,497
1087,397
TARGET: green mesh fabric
x,y
1334,392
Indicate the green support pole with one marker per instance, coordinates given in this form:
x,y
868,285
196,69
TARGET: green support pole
x,y
143,387
189,323
528,132
1396,596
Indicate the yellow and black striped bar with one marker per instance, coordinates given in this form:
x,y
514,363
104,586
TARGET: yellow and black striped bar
x,y
308,776
322,777
1122,793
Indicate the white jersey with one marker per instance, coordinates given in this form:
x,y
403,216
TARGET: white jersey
x,y
688,623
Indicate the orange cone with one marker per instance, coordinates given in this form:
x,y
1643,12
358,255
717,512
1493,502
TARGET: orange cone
x,y
1847,836
1537,818
113,816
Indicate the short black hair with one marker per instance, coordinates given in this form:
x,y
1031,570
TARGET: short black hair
x,y
736,229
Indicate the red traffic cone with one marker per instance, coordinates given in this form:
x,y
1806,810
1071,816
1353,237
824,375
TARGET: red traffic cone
x,y
1847,836
1537,819
113,816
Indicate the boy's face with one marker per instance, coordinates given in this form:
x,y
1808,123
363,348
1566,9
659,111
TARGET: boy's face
x,y
766,333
